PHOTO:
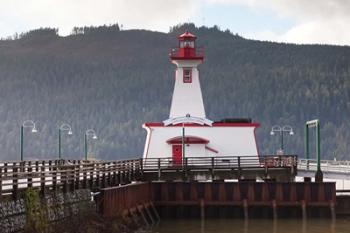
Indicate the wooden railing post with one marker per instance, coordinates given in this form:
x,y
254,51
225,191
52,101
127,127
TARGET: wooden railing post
x,y
212,167
132,170
185,168
266,166
91,176
141,168
110,167
54,175
64,178
50,170
22,167
84,175
97,166
42,178
114,178
239,171
118,173
77,174
122,172
5,168
29,174
0,183
129,169
159,170
14,181
72,176
37,166
104,175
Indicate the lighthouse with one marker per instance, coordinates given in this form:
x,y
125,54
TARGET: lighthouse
x,y
187,97
187,131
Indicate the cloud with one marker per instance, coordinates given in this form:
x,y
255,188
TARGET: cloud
x,y
317,21
22,15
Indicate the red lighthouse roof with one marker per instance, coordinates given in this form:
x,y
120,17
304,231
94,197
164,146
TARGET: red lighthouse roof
x,y
187,35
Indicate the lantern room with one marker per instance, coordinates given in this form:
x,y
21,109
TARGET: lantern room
x,y
187,49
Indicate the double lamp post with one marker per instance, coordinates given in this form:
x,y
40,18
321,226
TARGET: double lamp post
x,y
281,130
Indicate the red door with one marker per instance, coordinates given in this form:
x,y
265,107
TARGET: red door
x,y
177,154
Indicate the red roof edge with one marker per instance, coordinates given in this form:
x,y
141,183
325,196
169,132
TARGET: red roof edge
x,y
215,124
187,35
188,140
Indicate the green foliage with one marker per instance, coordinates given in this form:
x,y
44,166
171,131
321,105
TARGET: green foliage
x,y
36,220
113,81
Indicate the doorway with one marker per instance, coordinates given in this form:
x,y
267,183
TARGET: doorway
x,y
177,154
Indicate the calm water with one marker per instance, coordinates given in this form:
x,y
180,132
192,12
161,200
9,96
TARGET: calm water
x,y
254,226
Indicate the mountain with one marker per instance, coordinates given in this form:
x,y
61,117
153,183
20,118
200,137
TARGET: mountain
x,y
113,81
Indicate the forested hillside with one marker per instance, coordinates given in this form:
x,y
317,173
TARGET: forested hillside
x,y
113,81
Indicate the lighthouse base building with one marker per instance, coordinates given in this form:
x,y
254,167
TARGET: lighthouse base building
x,y
187,132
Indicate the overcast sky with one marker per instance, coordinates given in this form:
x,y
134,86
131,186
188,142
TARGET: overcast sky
x,y
297,21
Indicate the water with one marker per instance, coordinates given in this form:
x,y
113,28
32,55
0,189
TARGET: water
x,y
254,226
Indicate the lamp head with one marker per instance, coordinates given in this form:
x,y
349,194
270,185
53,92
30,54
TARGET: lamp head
x,y
272,133
70,132
94,137
34,130
291,133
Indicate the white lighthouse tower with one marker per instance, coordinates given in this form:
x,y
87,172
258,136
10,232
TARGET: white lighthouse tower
x,y
203,137
187,97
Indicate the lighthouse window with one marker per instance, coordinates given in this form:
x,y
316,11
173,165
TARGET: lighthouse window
x,y
187,75
187,44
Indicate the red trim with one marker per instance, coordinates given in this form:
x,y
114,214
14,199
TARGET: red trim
x,y
211,149
186,58
236,124
188,140
160,124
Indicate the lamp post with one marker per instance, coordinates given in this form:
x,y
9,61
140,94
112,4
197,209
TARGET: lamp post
x,y
26,124
281,130
183,139
63,127
183,143
92,133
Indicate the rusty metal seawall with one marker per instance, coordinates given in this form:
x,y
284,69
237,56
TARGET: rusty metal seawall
x,y
234,193
114,201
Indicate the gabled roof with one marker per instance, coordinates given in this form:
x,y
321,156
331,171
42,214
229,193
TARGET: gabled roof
x,y
187,35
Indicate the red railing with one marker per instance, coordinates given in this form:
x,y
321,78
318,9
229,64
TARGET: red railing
x,y
187,53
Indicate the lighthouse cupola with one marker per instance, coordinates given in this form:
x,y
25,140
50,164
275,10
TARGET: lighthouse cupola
x,y
187,48
187,97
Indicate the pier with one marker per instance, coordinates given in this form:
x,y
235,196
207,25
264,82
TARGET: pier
x,y
65,175
143,191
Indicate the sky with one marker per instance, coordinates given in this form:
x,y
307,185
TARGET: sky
x,y
293,21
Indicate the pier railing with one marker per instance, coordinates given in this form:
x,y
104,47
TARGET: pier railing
x,y
326,165
331,169
74,174
65,174
281,167
221,162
